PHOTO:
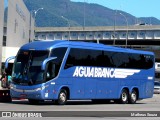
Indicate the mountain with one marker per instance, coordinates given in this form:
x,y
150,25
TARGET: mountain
x,y
75,13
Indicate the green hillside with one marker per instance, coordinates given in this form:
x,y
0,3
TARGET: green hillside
x,y
75,13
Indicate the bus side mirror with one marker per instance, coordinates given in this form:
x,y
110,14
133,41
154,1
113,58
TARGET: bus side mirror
x,y
43,66
7,61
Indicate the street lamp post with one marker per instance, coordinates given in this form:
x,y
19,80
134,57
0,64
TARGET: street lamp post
x,y
126,26
34,17
84,13
35,14
30,26
68,25
114,42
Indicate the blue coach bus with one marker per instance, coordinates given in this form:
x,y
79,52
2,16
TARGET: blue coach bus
x,y
68,70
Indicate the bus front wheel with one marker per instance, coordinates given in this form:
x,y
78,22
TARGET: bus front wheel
x,y
133,97
62,97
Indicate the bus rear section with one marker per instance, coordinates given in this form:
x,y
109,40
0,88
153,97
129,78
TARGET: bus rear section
x,y
66,70
123,75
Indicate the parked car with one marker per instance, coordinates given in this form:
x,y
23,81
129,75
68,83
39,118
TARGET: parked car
x,y
157,87
157,67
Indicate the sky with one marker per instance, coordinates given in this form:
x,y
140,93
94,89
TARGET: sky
x,y
5,3
137,8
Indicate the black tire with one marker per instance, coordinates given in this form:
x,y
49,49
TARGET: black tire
x,y
124,97
133,97
8,100
62,97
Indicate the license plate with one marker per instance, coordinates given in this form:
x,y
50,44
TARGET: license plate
x,y
23,95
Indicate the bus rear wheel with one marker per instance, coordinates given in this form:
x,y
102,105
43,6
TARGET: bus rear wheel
x,y
62,97
124,97
133,97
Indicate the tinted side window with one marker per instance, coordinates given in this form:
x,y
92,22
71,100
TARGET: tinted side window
x,y
120,60
59,53
86,57
140,61
108,59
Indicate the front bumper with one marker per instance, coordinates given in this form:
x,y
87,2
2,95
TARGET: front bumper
x,y
26,94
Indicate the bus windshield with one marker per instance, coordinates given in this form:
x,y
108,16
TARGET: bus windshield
x,y
27,67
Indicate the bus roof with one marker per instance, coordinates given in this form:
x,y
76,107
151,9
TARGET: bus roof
x,y
47,45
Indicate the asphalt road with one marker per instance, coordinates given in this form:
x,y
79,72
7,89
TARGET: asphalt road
x,y
151,104
85,109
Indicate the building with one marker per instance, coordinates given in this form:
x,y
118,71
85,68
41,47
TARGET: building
x,y
1,27
16,29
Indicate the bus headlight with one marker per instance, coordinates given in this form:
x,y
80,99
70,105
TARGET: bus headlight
x,y
38,89
41,88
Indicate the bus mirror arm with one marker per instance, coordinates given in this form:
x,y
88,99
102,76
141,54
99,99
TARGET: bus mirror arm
x,y
43,66
7,61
